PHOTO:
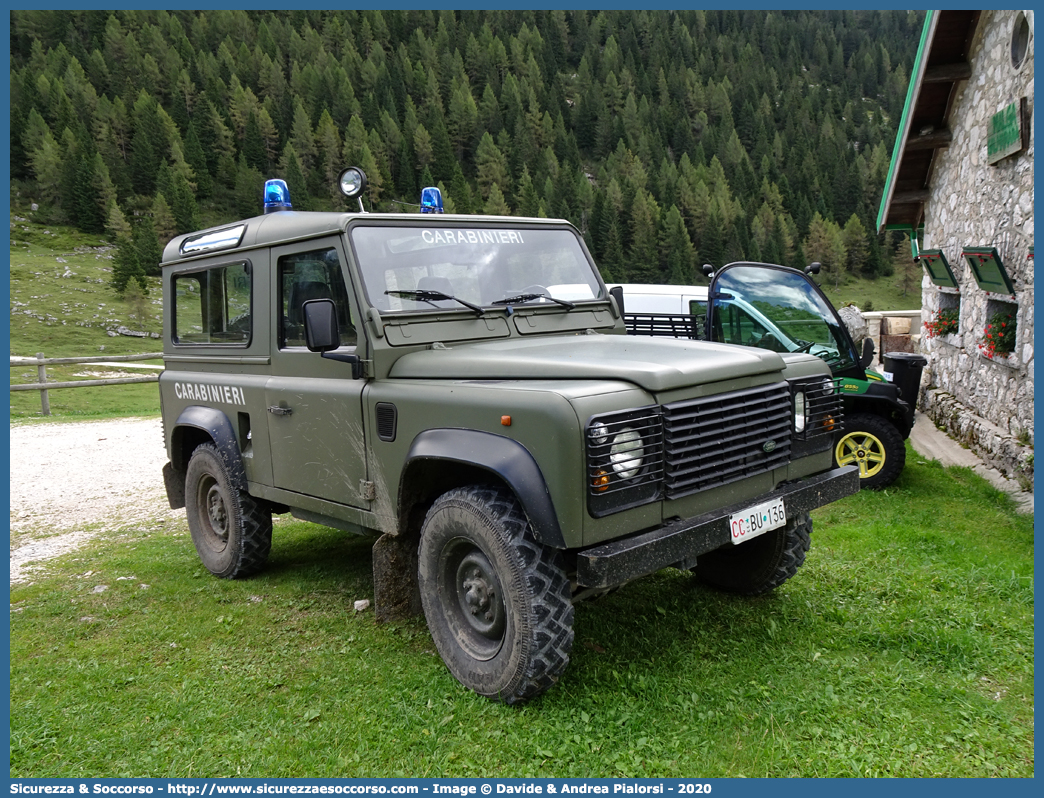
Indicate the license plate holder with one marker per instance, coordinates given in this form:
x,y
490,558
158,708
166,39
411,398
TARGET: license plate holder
x,y
757,520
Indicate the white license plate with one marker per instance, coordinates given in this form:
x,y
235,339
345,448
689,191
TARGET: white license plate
x,y
757,520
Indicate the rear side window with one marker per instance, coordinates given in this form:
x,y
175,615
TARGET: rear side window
x,y
213,306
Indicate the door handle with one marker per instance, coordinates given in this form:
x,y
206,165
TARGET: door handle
x,y
275,410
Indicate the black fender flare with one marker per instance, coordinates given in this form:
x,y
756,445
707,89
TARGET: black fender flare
x,y
882,399
219,428
503,457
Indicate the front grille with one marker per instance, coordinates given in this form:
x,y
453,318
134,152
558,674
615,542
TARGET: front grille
x,y
706,443
724,438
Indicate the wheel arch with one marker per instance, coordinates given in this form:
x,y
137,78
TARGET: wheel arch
x,y
442,459
889,407
198,425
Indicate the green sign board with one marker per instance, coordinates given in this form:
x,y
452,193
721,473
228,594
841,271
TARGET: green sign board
x,y
939,271
1005,134
989,272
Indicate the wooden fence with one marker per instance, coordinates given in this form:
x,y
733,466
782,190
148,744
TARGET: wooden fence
x,y
43,386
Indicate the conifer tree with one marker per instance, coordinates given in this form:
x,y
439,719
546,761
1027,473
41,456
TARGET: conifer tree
x,y
249,188
196,158
292,172
116,224
676,251
253,144
163,219
643,262
611,263
147,247
126,266
460,191
496,205
856,250
491,165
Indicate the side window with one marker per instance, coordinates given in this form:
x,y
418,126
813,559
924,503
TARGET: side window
x,y
212,306
311,275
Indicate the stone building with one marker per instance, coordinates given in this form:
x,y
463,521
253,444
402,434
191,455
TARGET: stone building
x,y
961,181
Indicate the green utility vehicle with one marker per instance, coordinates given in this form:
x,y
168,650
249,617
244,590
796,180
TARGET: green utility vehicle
x,y
462,388
783,310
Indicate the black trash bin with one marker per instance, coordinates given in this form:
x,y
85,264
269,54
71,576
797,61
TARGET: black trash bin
x,y
903,369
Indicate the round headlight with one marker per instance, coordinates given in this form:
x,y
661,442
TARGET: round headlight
x,y
598,433
352,182
799,412
626,453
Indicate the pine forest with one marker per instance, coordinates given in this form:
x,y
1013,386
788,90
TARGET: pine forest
x,y
670,139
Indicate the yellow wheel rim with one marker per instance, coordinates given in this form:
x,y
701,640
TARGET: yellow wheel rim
x,y
861,449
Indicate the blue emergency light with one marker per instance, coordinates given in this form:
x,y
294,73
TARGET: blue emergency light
x,y
431,200
277,196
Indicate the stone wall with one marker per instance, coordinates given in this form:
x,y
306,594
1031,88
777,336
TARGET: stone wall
x,y
986,403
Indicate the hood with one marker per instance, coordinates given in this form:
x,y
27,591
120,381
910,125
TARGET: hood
x,y
655,364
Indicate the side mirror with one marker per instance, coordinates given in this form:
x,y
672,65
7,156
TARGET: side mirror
x,y
708,270
616,292
868,352
322,334
814,267
320,317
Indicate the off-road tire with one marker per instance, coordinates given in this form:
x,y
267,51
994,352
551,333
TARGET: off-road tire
x,y
497,602
875,445
231,530
759,565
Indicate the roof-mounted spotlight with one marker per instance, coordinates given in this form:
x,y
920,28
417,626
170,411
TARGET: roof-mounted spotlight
x,y
277,196
352,183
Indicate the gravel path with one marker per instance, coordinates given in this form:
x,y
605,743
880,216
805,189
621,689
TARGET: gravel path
x,y
71,482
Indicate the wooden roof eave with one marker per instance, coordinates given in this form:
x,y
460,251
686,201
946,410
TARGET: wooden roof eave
x,y
940,66
912,94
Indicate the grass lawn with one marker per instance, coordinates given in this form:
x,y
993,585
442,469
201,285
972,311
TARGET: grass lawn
x,y
884,293
904,647
61,305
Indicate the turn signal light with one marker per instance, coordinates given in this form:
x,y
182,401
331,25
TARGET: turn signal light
x,y
828,423
601,482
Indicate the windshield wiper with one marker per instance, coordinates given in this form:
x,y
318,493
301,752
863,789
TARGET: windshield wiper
x,y
511,300
432,297
805,346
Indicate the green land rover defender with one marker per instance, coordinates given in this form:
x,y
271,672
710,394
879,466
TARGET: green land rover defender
x,y
463,389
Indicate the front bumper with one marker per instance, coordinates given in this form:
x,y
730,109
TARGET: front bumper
x,y
681,542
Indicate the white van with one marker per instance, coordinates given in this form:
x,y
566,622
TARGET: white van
x,y
674,299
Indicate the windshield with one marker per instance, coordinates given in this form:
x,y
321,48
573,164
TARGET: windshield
x,y
477,265
781,311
